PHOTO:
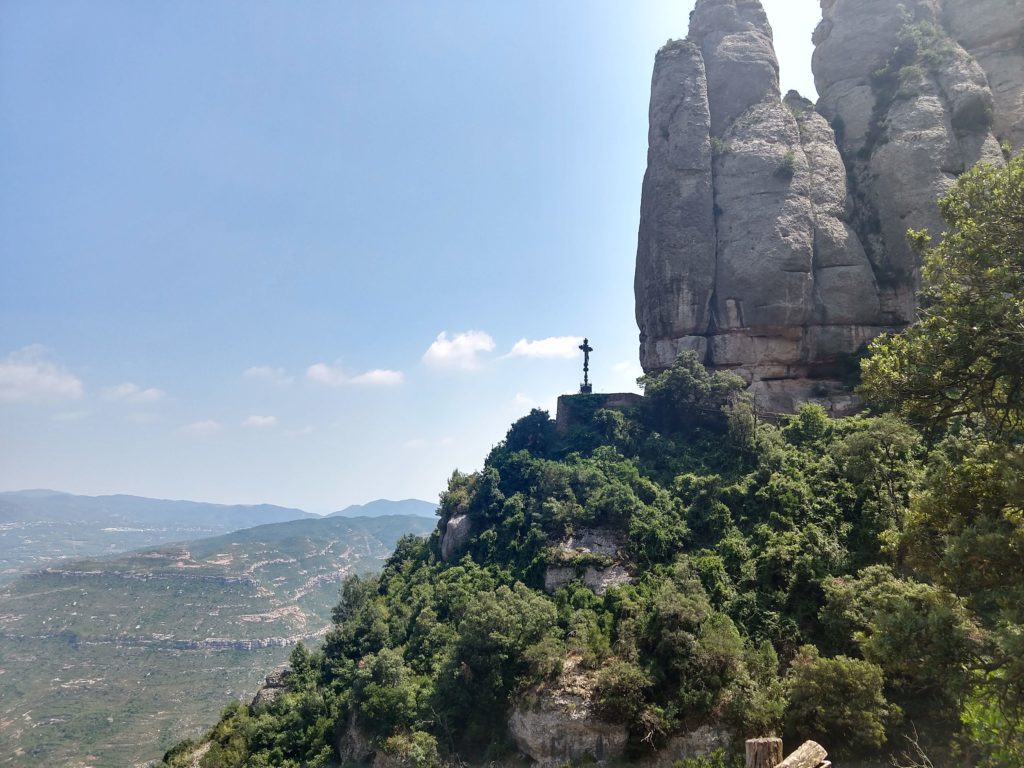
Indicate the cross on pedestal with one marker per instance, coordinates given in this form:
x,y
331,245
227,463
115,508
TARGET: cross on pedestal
x,y
586,387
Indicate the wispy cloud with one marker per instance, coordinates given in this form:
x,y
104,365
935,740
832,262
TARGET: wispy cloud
x,y
202,428
461,351
278,376
260,422
335,376
553,347
133,393
28,376
379,378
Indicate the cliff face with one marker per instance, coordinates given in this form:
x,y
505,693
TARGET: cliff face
x,y
769,245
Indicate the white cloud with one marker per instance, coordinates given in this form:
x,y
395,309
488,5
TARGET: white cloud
x,y
460,351
260,422
553,347
334,376
378,377
133,393
27,376
266,373
202,428
322,373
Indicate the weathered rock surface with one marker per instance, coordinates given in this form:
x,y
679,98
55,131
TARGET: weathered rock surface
x,y
603,555
558,724
274,684
555,724
735,39
676,252
599,578
992,31
806,258
455,535
354,745
906,134
697,743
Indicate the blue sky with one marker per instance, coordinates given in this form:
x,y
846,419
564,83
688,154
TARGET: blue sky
x,y
315,253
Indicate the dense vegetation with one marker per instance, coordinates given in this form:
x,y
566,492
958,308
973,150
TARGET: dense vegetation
x,y
850,580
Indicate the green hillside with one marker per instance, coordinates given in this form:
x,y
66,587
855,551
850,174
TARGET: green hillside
x,y
653,583
105,662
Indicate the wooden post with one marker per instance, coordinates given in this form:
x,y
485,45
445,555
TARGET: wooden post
x,y
809,755
764,753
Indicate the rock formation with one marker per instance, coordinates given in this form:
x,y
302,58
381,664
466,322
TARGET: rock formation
x,y
556,724
773,231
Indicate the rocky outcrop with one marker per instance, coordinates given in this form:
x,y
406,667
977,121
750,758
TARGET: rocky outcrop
x,y
274,684
556,724
699,742
354,744
914,110
676,252
803,257
457,532
992,31
595,556
598,578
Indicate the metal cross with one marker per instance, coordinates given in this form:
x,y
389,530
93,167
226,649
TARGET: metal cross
x,y
586,387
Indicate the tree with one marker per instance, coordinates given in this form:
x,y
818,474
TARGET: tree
x,y
966,354
960,372
686,394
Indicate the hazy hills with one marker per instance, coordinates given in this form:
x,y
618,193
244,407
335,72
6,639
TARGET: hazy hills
x,y
39,527
106,662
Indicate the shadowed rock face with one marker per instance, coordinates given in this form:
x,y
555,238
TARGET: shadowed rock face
x,y
906,135
769,246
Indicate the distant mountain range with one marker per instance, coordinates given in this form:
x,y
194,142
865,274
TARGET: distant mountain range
x,y
383,507
39,527
106,662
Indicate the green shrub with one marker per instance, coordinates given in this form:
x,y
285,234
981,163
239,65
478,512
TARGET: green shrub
x,y
620,691
786,168
838,701
414,749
